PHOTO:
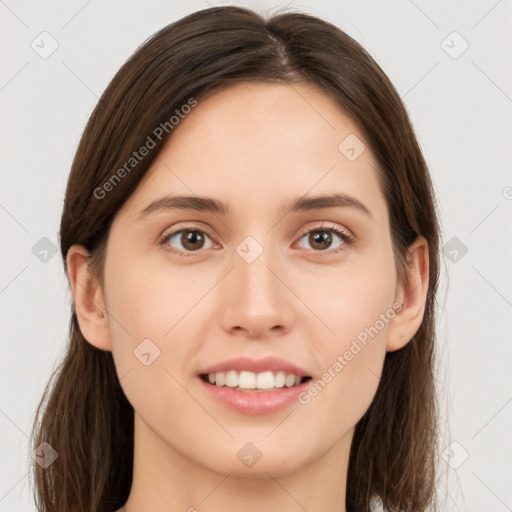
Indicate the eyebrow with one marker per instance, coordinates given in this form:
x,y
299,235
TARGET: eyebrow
x,y
208,204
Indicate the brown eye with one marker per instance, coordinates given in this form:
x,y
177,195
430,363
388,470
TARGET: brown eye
x,y
321,239
192,240
188,240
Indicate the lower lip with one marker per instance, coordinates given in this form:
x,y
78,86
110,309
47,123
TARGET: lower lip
x,y
255,402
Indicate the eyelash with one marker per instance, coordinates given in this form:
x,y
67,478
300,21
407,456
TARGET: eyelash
x,y
343,235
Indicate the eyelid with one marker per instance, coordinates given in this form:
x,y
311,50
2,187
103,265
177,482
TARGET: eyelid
x,y
328,226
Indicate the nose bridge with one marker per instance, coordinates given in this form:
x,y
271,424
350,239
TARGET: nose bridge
x,y
256,299
255,283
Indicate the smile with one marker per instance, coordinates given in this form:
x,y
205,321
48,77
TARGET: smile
x,y
246,380
254,386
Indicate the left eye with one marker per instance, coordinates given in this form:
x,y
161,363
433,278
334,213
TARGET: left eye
x,y
321,238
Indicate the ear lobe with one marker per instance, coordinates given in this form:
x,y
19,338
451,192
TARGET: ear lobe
x,y
412,295
88,299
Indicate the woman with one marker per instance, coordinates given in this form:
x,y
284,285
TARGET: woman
x,y
251,242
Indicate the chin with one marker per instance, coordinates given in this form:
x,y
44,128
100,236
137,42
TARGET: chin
x,y
269,464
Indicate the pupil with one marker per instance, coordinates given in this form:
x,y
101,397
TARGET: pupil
x,y
190,238
323,238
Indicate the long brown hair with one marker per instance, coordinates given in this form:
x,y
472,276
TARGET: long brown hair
x,y
84,414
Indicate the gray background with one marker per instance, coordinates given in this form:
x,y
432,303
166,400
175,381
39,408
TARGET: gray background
x,y
461,106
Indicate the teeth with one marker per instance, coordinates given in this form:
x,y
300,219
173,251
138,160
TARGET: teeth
x,y
231,379
290,380
279,379
265,380
246,380
220,379
251,380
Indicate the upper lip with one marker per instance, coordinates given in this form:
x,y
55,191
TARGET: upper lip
x,y
271,363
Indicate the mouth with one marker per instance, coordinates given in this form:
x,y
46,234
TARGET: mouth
x,y
254,386
248,381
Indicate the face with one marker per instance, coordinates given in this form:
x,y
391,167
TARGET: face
x,y
307,292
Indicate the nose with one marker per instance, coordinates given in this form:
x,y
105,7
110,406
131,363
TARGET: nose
x,y
257,304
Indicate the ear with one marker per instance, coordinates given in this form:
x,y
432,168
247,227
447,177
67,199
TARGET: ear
x,y
88,299
412,295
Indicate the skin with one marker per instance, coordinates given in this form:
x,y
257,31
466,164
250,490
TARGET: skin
x,y
255,147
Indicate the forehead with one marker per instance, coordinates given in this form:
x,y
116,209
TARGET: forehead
x,y
256,144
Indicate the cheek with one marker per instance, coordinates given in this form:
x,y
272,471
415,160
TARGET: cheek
x,y
152,322
149,306
149,298
357,307
353,298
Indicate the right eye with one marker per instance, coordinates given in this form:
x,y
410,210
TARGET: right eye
x,y
188,240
